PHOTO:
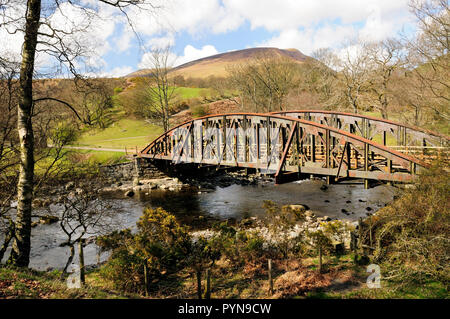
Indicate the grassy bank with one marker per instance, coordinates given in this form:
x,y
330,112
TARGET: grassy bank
x,y
26,283
294,278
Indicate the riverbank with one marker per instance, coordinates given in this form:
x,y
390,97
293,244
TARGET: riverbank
x,y
197,202
245,274
294,278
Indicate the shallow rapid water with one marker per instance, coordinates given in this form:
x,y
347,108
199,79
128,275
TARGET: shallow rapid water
x,y
233,202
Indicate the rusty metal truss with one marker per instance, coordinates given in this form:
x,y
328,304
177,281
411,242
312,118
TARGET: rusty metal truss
x,y
335,145
418,142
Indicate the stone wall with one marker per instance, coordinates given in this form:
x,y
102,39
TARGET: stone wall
x,y
127,170
147,170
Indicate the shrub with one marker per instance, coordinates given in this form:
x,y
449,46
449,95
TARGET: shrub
x,y
161,241
199,110
160,246
118,90
239,247
412,234
335,230
125,271
281,223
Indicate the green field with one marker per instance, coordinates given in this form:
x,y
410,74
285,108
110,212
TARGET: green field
x,y
132,134
185,93
125,133
102,157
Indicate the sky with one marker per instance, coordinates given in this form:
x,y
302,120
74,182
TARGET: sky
x,y
199,28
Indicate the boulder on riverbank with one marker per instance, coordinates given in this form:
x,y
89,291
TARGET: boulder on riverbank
x,y
129,193
299,207
38,202
48,219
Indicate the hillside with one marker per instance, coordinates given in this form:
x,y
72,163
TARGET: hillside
x,y
216,64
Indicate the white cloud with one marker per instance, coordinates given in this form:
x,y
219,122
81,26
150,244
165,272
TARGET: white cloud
x,y
192,16
116,72
82,32
320,24
11,44
146,60
376,28
218,16
303,24
290,14
310,39
123,42
162,42
191,54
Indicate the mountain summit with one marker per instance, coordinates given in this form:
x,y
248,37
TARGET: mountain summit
x,y
216,64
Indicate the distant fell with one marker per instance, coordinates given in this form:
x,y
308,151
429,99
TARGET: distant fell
x,y
217,64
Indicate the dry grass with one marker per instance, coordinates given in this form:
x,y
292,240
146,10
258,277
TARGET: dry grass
x,y
217,64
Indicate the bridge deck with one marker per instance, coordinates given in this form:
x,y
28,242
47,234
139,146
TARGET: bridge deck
x,y
278,144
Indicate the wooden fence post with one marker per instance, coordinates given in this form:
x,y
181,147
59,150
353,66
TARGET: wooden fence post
x,y
146,281
353,241
199,284
320,258
270,277
208,284
360,242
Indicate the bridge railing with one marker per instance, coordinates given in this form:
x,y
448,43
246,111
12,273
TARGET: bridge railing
x,y
281,144
404,138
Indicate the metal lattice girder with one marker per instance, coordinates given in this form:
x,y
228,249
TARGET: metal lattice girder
x,y
276,144
368,127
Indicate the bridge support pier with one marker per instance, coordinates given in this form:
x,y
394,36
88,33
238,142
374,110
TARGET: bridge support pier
x,y
137,166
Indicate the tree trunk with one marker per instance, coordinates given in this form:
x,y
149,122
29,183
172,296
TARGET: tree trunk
x,y
8,237
384,111
20,253
69,261
81,261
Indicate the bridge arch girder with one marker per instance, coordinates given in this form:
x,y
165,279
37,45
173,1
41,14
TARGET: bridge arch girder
x,y
279,145
407,139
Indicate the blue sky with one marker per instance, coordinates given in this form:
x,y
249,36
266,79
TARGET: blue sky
x,y
199,28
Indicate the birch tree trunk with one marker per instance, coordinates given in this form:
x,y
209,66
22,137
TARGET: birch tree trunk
x,y
20,253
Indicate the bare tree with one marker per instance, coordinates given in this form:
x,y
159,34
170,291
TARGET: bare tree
x,y
83,214
8,153
48,159
265,81
384,60
355,74
322,78
161,88
66,46
428,56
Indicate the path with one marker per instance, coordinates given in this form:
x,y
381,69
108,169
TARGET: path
x,y
95,148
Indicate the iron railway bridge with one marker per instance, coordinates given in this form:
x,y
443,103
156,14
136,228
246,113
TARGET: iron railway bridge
x,y
290,144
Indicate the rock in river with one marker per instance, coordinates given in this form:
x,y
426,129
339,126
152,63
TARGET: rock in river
x,y
129,193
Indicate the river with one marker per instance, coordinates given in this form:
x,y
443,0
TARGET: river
x,y
346,201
